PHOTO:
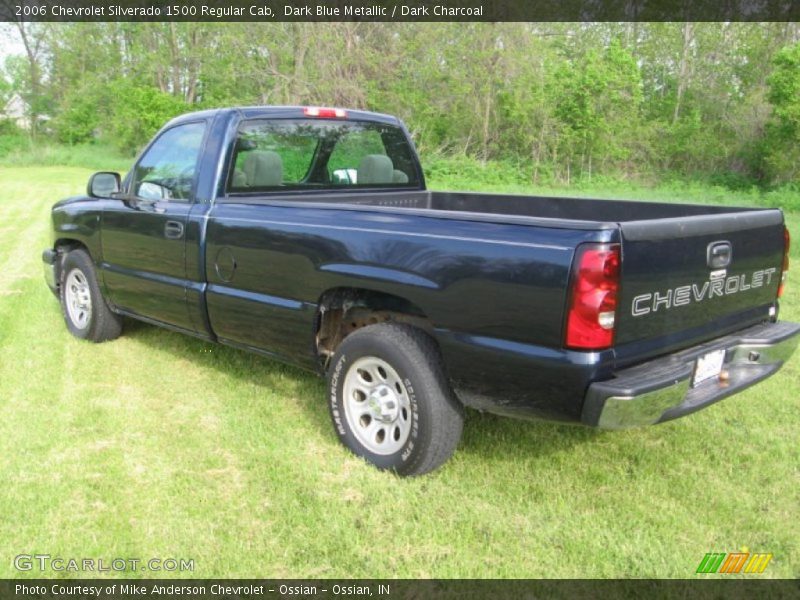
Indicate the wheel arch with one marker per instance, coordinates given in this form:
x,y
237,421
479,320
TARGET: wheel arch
x,y
62,246
343,310
68,244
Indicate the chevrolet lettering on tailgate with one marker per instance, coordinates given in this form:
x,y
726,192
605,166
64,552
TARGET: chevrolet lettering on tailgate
x,y
718,284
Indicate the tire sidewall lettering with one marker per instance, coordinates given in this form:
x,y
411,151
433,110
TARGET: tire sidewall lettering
x,y
336,390
336,409
435,420
412,399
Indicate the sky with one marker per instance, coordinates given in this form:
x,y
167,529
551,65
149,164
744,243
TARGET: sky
x,y
9,42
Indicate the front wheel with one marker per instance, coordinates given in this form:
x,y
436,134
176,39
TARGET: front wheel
x,y
390,401
86,313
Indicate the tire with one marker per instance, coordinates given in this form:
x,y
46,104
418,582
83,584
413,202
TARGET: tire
x,y
389,377
85,311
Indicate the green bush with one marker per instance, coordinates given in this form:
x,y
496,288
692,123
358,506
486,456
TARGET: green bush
x,y
460,171
136,113
122,114
80,117
783,131
9,128
786,197
12,138
12,143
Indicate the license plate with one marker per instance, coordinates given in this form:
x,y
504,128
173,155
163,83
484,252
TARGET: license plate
x,y
708,366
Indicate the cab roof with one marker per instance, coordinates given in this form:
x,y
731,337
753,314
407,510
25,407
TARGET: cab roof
x,y
285,112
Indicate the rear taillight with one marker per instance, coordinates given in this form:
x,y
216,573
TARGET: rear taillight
x,y
785,271
325,113
593,304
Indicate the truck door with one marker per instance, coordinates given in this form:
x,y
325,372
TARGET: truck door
x,y
144,231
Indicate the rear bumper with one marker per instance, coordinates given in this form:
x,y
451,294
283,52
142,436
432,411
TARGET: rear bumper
x,y
661,389
49,257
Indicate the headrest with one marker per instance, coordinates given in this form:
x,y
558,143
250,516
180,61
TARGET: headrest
x,y
263,168
376,169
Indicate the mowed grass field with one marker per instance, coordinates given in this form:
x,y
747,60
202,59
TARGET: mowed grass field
x,y
158,445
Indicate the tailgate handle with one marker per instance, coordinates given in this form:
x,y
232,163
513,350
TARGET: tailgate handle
x,y
719,254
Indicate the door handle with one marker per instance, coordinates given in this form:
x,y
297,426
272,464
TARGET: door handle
x,y
173,230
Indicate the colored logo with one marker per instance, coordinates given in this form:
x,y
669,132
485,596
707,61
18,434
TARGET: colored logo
x,y
734,562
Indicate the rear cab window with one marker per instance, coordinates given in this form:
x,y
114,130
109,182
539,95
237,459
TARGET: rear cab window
x,y
319,154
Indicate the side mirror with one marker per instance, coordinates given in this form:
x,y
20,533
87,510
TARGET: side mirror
x,y
345,176
150,190
103,184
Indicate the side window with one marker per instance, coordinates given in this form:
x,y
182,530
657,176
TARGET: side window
x,y
167,169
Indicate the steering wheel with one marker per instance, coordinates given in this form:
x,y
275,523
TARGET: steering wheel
x,y
186,175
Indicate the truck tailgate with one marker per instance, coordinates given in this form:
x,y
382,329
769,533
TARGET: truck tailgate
x,y
686,280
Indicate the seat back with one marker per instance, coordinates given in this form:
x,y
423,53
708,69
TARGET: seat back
x,y
239,178
375,169
399,176
263,168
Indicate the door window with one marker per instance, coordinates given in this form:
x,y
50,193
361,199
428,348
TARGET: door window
x,y
166,171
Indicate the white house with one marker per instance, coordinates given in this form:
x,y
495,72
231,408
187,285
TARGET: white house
x,y
17,110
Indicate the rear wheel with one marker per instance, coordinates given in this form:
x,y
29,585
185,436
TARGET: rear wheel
x,y
86,313
390,401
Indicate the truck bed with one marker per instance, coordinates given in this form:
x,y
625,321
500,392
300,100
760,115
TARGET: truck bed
x,y
664,249
588,210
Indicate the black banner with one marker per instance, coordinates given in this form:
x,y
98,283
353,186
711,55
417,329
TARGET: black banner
x,y
399,10
246,589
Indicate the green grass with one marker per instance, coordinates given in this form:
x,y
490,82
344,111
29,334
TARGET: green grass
x,y
160,445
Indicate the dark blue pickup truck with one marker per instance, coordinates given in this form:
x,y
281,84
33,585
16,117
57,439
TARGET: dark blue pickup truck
x,y
307,235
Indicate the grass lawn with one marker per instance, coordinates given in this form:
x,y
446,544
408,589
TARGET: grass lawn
x,y
160,445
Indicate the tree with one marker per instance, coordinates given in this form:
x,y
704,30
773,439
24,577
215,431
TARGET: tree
x,y
555,100
31,86
783,155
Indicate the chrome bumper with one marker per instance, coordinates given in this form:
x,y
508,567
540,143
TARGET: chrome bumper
x,y
661,390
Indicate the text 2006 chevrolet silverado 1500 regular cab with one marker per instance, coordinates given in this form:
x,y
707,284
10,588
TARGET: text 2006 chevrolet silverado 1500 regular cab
x,y
307,234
